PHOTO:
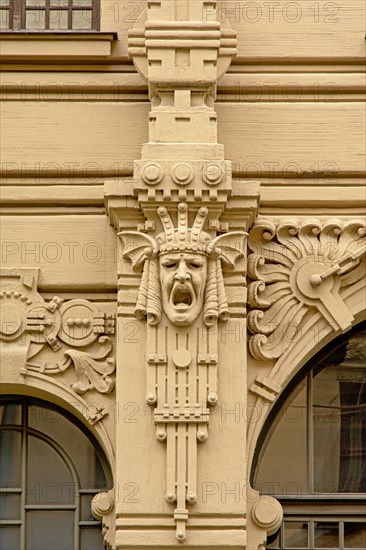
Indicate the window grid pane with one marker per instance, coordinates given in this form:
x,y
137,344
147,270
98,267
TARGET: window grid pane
x,y
49,15
327,532
58,501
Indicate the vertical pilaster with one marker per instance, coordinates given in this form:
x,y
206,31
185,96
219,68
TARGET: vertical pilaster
x,y
181,472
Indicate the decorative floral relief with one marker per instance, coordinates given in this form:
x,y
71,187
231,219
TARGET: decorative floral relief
x,y
295,267
92,367
26,318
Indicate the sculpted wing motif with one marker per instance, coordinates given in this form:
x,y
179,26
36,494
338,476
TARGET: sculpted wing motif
x,y
229,247
138,247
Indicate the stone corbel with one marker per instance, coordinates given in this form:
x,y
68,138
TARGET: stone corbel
x,y
168,34
103,510
264,517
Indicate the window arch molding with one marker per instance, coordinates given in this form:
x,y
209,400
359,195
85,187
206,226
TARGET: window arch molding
x,y
68,403
51,466
320,356
314,335
319,419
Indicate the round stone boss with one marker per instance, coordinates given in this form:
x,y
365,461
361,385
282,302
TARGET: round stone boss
x,y
77,323
182,358
12,321
152,174
213,173
182,173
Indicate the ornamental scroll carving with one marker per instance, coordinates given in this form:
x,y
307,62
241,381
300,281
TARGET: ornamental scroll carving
x,y
75,330
296,267
182,296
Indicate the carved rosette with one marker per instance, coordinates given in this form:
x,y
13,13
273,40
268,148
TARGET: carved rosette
x,y
296,267
76,328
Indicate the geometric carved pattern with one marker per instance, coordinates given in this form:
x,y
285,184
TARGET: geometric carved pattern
x,y
181,183
296,267
25,316
182,278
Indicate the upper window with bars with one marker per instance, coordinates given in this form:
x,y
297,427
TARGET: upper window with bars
x,y
49,15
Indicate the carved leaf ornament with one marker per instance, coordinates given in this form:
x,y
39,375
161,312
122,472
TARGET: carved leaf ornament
x,y
74,324
295,267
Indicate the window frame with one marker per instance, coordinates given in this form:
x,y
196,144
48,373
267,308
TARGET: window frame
x,y
313,507
17,10
25,431
305,373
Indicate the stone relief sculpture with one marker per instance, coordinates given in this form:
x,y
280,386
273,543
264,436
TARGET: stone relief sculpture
x,y
182,225
76,328
182,279
182,272
295,267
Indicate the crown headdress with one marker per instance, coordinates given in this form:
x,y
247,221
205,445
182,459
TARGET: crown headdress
x,y
142,250
182,237
140,246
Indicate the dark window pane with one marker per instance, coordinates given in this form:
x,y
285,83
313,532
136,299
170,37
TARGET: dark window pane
x,y
58,19
10,413
326,535
4,19
91,539
35,19
73,441
36,3
10,458
82,19
83,3
355,535
275,474
48,478
273,541
9,506
340,428
86,514
58,535
296,534
327,423
9,538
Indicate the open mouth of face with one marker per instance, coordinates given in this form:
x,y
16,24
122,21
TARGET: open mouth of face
x,y
182,297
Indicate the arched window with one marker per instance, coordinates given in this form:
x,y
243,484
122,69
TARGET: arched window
x,y
312,456
49,472
49,15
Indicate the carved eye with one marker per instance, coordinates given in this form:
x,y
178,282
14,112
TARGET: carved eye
x,y
195,265
171,265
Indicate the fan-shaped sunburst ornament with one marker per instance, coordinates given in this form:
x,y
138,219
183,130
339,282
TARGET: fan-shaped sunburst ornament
x,y
295,267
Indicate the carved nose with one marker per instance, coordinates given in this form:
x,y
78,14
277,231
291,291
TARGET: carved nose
x,y
182,276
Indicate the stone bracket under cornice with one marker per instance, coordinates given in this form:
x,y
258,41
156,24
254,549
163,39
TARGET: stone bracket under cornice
x,y
238,212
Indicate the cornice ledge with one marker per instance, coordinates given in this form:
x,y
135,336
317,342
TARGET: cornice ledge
x,y
25,45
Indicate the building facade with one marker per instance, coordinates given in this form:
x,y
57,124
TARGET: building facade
x,y
182,275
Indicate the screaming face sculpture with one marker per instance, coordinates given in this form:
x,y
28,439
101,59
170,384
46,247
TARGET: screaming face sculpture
x,y
183,279
182,272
